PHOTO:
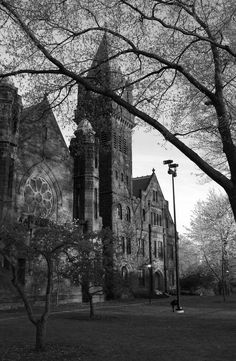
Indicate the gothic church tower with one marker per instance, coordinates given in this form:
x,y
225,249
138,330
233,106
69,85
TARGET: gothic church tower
x,y
113,126
84,149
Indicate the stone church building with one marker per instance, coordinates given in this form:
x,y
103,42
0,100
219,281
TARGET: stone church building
x,y
91,180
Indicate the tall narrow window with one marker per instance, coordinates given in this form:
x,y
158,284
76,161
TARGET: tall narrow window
x,y
128,245
96,160
45,132
155,249
95,203
144,215
10,177
128,214
160,249
124,273
119,211
155,219
152,218
123,244
154,196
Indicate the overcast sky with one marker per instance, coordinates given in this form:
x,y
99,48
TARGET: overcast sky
x,y
149,152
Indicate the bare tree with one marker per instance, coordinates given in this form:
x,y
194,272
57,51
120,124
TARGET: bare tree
x,y
178,55
39,251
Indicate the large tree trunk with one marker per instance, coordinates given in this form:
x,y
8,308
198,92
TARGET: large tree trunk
x,y
40,334
232,200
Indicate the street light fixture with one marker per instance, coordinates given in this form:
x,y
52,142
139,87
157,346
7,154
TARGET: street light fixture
x,y
172,169
150,263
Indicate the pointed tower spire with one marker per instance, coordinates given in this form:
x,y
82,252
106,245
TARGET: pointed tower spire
x,y
102,53
100,68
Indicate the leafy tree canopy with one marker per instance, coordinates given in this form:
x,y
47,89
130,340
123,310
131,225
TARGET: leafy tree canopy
x,y
177,55
212,234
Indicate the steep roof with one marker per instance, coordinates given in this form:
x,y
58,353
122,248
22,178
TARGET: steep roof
x,y
104,72
140,183
34,119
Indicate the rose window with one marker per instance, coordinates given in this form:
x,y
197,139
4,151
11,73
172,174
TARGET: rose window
x,y
38,197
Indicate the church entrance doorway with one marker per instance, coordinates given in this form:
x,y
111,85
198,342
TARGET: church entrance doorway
x,y
158,281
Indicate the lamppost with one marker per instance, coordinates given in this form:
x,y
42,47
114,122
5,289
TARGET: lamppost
x,y
150,263
172,171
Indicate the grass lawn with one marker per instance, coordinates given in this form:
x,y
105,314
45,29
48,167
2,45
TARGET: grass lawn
x,y
135,331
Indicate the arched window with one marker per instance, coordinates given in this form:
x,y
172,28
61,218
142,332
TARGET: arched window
x,y
124,273
160,249
128,214
144,215
123,244
119,211
155,219
128,245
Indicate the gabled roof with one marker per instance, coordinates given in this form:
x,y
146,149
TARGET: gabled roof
x,y
34,118
140,184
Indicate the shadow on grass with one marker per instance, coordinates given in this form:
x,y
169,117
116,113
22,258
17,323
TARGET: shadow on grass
x,y
52,352
141,332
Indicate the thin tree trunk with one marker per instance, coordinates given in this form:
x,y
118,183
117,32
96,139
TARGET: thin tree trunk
x,y
91,315
40,334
